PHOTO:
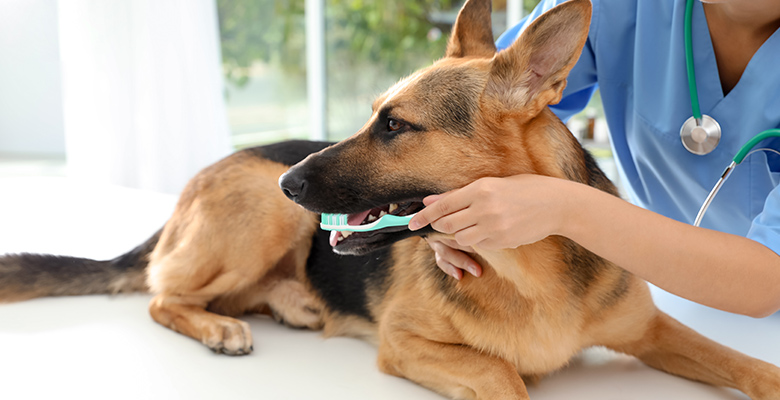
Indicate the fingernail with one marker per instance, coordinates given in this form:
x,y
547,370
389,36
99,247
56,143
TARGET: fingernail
x,y
473,270
414,225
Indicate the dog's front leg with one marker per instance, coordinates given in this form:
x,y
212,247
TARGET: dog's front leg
x,y
187,315
454,370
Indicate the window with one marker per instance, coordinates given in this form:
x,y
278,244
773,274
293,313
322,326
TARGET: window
x,y
368,45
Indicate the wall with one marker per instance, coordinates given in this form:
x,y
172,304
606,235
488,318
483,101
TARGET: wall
x,y
30,87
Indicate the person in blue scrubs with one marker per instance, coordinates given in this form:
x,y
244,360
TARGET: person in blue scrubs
x,y
635,56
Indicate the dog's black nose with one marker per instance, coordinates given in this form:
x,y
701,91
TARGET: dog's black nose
x,y
293,185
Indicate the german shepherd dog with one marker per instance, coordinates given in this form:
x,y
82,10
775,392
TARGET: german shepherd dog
x,y
236,244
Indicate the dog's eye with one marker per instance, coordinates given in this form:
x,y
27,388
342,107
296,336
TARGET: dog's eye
x,y
394,125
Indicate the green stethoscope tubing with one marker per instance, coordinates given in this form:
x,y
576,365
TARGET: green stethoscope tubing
x,y
741,154
744,151
689,60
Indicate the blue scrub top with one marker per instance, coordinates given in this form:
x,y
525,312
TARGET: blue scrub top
x,y
635,56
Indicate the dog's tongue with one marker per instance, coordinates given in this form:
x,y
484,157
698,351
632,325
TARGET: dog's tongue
x,y
356,219
353,219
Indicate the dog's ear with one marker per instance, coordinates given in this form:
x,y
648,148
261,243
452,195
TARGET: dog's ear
x,y
472,34
532,72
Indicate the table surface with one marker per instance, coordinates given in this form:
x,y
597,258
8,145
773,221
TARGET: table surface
x,y
97,347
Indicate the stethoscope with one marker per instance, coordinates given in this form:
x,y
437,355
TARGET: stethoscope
x,y
700,134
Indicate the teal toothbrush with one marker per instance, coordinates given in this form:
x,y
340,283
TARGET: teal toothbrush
x,y
338,222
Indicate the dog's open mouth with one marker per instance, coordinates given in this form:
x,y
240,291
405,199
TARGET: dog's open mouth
x,y
369,216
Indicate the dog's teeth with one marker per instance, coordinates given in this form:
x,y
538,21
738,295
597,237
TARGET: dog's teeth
x,y
341,238
393,207
371,218
345,234
382,213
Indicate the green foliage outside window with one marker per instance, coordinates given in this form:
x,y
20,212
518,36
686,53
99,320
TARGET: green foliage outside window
x,y
394,35
269,31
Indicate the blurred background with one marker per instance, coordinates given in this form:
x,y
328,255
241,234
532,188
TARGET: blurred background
x,y
144,93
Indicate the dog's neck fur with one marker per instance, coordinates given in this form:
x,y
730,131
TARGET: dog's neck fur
x,y
544,136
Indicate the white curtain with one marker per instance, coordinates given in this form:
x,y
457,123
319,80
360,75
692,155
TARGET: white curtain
x,y
142,91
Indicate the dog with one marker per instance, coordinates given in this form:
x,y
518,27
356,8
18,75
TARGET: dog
x,y
237,244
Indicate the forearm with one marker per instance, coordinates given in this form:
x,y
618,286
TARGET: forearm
x,y
721,270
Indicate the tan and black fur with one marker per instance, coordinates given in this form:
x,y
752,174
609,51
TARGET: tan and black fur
x,y
236,244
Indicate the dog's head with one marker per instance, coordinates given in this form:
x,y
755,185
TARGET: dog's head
x,y
472,114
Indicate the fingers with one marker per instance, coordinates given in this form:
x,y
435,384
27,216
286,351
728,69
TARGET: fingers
x,y
432,198
448,268
450,213
471,236
452,244
438,206
453,262
454,223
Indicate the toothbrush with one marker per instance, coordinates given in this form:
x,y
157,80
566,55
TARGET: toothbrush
x,y
338,222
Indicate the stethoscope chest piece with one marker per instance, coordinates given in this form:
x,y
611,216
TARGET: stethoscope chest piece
x,y
700,137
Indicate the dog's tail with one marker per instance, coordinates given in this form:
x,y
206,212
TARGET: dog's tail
x,y
27,276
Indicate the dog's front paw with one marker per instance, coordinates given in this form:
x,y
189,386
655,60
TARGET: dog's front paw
x,y
228,336
294,306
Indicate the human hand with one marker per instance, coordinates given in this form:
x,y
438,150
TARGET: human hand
x,y
452,259
498,213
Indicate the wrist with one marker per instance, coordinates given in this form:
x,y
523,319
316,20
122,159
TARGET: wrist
x,y
576,203
559,201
